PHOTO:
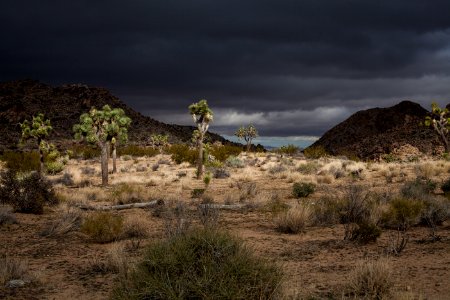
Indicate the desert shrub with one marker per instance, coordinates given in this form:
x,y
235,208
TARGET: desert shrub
x,y
436,210
445,187
55,161
103,227
183,153
277,169
208,214
201,264
308,168
6,216
222,153
275,205
403,213
365,232
136,227
12,269
197,193
137,151
68,221
177,220
371,280
293,220
288,150
221,173
325,211
117,259
417,189
234,162
88,171
85,152
315,152
303,189
247,190
21,161
26,193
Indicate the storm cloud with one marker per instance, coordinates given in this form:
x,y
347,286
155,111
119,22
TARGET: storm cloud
x,y
290,67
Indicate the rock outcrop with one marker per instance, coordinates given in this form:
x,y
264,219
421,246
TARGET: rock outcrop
x,y
371,133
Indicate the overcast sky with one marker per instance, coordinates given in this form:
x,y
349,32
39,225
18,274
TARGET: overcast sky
x,y
291,67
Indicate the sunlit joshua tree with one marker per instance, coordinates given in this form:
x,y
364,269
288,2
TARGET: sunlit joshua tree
x,y
247,134
38,129
440,120
202,116
102,128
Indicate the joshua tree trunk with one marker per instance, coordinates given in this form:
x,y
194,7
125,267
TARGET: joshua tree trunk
x,y
249,143
41,157
104,162
114,156
200,157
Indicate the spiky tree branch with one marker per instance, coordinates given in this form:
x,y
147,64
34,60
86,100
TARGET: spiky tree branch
x,y
440,120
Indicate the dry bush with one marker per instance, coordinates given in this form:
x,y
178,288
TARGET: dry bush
x,y
307,168
427,170
371,279
326,179
247,190
274,204
68,220
103,227
403,213
294,220
208,215
177,220
326,211
13,269
136,226
7,217
125,193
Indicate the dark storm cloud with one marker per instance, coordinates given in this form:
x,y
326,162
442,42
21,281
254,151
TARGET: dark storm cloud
x,y
292,67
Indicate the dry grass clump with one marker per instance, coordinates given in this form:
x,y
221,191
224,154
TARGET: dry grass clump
x,y
247,190
371,279
294,220
137,226
326,211
117,259
103,227
13,269
125,193
307,168
67,221
427,170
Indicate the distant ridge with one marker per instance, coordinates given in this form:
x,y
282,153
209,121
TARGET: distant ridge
x,y
64,104
370,133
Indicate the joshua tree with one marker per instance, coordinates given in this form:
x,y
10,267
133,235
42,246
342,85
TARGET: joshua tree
x,y
440,120
202,116
117,132
102,128
37,129
159,140
247,134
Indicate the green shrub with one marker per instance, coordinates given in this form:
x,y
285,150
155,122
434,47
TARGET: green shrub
x,y
222,153
183,153
418,189
137,151
103,227
234,162
201,264
308,168
21,161
315,152
26,193
288,149
303,190
403,213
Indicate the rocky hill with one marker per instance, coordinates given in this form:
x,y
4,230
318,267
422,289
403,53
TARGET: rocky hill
x,y
370,133
63,105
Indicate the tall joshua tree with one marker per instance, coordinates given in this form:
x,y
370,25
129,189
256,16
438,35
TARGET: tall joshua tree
x,y
117,132
38,129
247,134
100,127
202,116
440,120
